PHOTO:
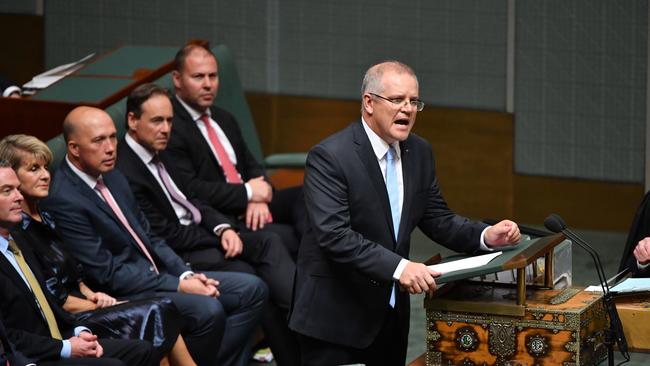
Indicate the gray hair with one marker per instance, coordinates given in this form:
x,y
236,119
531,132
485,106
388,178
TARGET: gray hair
x,y
372,79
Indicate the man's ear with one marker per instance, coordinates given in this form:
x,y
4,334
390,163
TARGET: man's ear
x,y
367,104
132,121
176,78
73,148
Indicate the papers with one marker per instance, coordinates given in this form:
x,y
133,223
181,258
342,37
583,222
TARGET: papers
x,y
594,288
461,264
632,285
42,81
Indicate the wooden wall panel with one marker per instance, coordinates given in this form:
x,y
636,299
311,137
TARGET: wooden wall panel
x,y
473,150
474,159
581,203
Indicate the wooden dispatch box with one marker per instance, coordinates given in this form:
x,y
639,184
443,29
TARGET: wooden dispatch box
x,y
469,323
634,311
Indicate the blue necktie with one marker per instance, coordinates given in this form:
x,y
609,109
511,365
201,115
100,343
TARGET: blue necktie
x,y
393,197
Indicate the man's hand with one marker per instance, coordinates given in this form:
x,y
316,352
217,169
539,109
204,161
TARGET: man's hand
x,y
199,284
642,251
231,243
418,278
502,233
101,299
85,345
262,190
257,215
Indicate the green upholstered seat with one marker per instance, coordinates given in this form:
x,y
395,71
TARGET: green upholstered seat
x,y
231,98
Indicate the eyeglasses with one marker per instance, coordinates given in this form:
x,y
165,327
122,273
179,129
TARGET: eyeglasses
x,y
417,104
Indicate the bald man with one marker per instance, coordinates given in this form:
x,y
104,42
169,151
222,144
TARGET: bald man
x,y
102,226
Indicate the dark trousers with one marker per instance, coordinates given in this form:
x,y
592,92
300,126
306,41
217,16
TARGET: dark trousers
x,y
265,256
219,331
117,352
388,348
290,216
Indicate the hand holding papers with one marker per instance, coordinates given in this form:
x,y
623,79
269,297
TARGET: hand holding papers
x,y
466,263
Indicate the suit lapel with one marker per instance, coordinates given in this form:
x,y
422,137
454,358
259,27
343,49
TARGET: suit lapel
x,y
369,159
18,281
103,206
88,192
195,133
141,173
130,216
408,182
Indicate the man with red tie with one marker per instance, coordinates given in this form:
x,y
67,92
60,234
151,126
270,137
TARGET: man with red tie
x,y
211,157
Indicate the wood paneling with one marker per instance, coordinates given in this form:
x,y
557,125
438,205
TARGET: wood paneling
x,y
581,203
474,159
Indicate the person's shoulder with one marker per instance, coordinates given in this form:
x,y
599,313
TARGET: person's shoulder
x,y
223,116
115,176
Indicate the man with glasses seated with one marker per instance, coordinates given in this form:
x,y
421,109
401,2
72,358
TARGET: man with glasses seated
x,y
366,189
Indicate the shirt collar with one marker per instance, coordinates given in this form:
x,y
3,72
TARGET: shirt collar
x,y
379,146
145,155
193,112
4,243
90,181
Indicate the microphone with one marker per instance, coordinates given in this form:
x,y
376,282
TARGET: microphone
x,y
556,224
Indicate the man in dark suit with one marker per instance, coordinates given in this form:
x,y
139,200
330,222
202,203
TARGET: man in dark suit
x,y
636,255
202,236
366,189
209,153
36,325
102,225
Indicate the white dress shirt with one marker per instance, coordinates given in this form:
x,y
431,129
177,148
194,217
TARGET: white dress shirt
x,y
183,215
380,147
227,146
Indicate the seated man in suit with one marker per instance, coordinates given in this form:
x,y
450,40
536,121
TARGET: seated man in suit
x,y
101,224
366,188
210,154
202,236
36,325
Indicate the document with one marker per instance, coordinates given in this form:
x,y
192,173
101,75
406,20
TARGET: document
x,y
632,285
471,262
42,81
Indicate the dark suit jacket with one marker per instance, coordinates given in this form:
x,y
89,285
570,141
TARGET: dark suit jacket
x,y
90,231
193,162
639,230
25,326
160,213
349,253
7,351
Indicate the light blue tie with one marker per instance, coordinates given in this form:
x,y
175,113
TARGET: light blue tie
x,y
392,188
393,197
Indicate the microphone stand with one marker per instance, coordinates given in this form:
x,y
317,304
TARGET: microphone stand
x,y
613,334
